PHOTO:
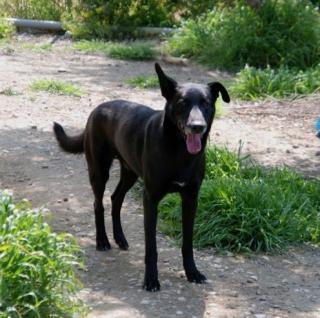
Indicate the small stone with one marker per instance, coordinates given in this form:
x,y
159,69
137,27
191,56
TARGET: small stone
x,y
233,294
34,127
44,167
65,199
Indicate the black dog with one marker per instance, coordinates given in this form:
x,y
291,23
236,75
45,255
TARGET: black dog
x,y
165,148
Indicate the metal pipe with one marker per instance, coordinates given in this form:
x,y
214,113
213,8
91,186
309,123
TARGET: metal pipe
x,y
36,24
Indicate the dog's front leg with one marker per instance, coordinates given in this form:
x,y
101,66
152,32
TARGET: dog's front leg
x,y
150,205
189,207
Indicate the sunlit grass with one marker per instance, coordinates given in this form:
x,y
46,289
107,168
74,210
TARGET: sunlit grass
x,y
137,50
57,87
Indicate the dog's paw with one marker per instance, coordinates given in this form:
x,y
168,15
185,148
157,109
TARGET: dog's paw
x,y
151,285
122,242
196,277
103,245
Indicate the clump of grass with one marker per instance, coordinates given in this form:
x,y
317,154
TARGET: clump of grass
x,y
124,51
57,87
8,91
37,266
132,51
37,47
252,83
143,81
249,207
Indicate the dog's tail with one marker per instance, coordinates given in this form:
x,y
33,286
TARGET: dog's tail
x,y
72,144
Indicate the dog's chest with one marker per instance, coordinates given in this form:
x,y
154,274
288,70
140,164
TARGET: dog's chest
x,y
180,183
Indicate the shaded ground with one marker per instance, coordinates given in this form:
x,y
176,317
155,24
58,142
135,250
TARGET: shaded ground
x,y
32,166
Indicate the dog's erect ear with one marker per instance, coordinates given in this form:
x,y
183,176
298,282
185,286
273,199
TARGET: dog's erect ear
x,y
217,88
167,84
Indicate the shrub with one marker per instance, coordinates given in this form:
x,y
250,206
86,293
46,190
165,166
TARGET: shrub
x,y
35,9
37,277
278,33
6,29
252,83
92,18
249,207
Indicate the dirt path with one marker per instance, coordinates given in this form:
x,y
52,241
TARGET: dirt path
x,y
32,166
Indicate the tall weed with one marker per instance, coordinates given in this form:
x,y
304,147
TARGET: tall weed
x,y
278,33
37,266
245,207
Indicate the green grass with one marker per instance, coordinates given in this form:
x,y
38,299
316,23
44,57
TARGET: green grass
x,y
37,47
246,207
9,91
37,266
252,83
143,81
124,51
57,87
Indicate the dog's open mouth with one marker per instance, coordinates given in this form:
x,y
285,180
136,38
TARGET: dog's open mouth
x,y
193,142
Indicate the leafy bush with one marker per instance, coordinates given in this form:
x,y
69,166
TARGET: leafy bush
x,y
35,9
137,50
6,29
249,208
57,87
278,33
252,83
92,18
37,277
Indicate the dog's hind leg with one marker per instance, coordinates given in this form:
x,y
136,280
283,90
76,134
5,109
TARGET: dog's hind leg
x,y
99,162
127,180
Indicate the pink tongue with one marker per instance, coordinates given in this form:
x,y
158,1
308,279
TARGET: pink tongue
x,y
193,143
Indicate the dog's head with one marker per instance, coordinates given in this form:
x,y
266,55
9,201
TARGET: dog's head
x,y
191,108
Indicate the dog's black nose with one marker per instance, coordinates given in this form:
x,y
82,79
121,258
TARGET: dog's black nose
x,y
197,129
